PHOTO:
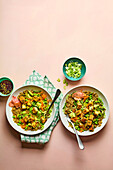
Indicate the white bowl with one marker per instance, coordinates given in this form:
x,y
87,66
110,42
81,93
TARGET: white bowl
x,y
88,88
9,113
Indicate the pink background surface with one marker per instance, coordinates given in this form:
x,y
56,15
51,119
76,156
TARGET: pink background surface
x,y
39,35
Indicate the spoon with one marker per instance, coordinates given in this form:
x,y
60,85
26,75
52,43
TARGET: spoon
x,y
81,146
54,99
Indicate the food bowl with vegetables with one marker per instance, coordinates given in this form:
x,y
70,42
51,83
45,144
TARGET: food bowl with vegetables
x,y
27,110
74,68
87,107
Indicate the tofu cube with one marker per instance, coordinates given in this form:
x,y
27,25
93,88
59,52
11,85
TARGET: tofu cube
x,y
89,122
91,117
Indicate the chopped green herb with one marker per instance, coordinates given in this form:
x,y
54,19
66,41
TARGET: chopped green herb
x,y
73,69
42,127
64,81
64,87
58,79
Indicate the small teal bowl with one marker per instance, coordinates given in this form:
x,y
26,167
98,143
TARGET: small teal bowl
x,y
83,69
6,78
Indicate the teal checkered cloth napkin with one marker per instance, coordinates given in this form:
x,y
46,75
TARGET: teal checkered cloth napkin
x,y
37,79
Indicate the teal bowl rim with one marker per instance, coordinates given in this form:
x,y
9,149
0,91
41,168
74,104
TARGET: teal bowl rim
x,y
6,78
71,78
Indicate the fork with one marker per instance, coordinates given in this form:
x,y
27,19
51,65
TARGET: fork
x,y
81,146
55,97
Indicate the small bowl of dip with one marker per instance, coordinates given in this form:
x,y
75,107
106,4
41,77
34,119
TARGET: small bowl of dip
x,y
6,86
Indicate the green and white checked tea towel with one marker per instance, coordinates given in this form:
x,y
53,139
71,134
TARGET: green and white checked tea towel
x,y
37,79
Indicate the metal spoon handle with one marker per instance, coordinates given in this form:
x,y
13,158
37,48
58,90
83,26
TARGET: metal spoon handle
x,y
56,96
81,146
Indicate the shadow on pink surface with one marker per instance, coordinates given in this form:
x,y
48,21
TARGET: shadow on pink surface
x,y
71,83
32,145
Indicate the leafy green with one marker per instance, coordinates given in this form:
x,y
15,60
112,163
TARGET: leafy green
x,y
73,69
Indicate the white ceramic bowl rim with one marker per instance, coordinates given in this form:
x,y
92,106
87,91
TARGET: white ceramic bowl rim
x,y
63,117
9,113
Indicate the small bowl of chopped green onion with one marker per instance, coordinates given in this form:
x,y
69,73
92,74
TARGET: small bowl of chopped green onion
x,y
74,69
